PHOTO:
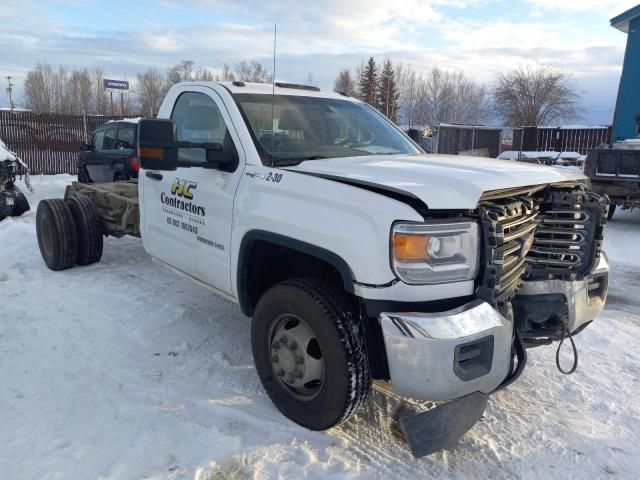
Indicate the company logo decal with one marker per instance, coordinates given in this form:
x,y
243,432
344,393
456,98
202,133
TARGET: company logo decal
x,y
182,194
183,188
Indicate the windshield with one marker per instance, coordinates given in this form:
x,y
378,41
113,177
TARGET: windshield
x,y
311,128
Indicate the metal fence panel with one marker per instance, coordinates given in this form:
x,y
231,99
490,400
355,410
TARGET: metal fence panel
x,y
454,139
580,140
48,142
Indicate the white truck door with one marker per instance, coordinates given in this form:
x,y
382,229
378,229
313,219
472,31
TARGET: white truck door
x,y
187,214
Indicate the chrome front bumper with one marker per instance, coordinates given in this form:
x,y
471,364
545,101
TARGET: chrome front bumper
x,y
447,355
441,356
585,298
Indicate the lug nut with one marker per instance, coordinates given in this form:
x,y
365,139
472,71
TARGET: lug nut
x,y
298,373
274,359
299,359
280,372
293,345
284,340
289,379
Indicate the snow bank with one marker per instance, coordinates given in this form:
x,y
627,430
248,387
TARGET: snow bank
x,y
124,370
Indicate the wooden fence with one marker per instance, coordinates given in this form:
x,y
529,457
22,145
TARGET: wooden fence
x,y
48,142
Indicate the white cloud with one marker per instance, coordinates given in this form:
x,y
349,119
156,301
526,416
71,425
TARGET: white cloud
x,y
323,37
608,7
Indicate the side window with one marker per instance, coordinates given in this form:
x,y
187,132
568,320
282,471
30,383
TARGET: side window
x,y
198,119
126,135
98,139
109,139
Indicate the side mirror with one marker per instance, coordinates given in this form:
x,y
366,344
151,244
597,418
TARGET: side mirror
x,y
157,148
85,147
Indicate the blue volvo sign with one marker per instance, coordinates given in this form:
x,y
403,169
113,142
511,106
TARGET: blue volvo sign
x,y
119,85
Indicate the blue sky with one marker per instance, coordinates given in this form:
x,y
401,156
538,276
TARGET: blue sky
x,y
479,38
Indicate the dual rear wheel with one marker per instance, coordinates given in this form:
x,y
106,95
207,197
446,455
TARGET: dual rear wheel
x,y
69,232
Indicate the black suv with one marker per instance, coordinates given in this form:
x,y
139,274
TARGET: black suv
x,y
112,154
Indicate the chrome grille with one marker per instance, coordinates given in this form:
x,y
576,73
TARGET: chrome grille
x,y
568,240
508,227
545,233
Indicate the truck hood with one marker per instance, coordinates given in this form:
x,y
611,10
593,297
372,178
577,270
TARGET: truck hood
x,y
440,181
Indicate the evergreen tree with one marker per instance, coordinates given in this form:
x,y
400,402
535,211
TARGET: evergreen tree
x,y
368,83
388,93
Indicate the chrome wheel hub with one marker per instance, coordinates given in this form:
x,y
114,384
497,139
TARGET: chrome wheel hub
x,y
296,358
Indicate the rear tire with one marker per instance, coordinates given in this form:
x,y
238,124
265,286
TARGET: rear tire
x,y
612,210
21,203
333,335
88,229
57,236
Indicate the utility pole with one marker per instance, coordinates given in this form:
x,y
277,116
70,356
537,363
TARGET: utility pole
x,y
10,92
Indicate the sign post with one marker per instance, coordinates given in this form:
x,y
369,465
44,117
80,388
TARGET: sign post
x,y
118,86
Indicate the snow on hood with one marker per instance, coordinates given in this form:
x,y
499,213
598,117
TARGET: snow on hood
x,y
440,181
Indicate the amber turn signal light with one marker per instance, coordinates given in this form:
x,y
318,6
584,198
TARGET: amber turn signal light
x,y
409,248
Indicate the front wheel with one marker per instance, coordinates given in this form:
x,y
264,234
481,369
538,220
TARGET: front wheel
x,y
612,210
21,203
309,351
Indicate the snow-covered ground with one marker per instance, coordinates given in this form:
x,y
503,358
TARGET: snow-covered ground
x,y
123,370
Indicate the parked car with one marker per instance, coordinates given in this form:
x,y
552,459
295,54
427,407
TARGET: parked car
x,y
614,171
111,156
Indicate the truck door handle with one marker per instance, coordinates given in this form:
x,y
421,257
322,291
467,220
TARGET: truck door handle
x,y
153,175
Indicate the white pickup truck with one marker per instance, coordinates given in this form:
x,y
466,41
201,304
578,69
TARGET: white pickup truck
x,y
357,256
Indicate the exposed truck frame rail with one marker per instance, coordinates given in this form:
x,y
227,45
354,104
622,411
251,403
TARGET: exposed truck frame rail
x,y
117,204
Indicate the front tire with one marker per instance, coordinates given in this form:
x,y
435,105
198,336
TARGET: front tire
x,y
612,210
309,351
21,203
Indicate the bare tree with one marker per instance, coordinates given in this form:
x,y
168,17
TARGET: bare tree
x,y
152,87
529,96
439,97
81,91
101,103
36,94
181,72
310,80
187,71
408,84
225,75
252,72
344,83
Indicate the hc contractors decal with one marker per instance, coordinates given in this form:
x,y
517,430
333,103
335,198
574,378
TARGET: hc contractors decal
x,y
183,212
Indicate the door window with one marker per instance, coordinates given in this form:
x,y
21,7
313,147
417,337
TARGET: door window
x,y
109,139
126,135
198,119
98,139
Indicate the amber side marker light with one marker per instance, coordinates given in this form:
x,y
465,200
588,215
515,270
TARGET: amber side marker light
x,y
410,248
146,152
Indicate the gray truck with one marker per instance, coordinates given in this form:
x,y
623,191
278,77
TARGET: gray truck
x,y
614,171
